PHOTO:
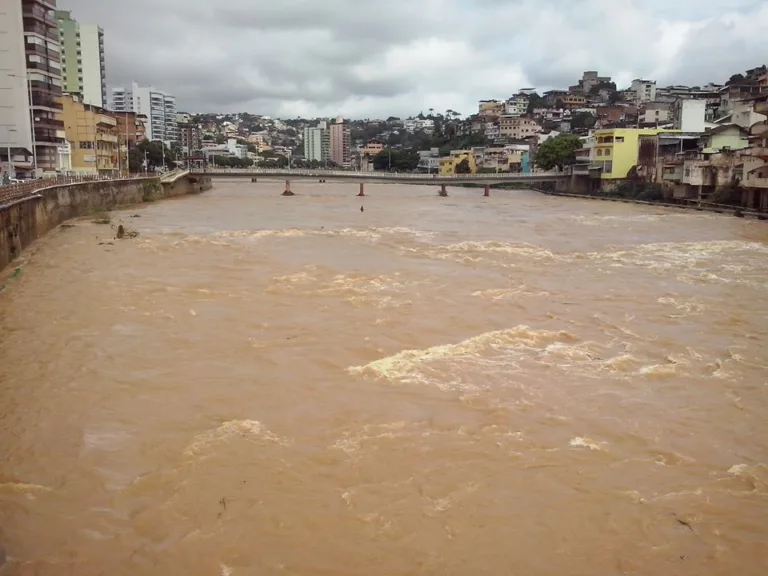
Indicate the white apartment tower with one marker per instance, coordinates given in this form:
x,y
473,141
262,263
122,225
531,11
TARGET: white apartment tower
x,y
157,106
316,143
83,69
15,128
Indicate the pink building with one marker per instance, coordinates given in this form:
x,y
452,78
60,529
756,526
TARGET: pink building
x,y
339,143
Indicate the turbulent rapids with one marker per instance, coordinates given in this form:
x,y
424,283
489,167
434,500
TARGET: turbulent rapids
x,y
460,385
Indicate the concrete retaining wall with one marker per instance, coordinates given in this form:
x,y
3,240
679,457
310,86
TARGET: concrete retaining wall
x,y
25,220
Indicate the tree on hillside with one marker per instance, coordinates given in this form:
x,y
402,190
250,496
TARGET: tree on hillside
x,y
535,101
583,120
558,152
736,79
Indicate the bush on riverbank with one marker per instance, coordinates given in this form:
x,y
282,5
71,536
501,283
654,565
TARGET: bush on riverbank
x,y
150,191
729,195
635,191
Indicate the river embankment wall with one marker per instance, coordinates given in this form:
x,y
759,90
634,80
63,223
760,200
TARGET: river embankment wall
x,y
26,219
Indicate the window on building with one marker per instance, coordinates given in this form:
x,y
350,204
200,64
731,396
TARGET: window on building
x,y
87,145
599,152
619,139
607,152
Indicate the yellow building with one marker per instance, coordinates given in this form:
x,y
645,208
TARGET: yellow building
x,y
616,150
449,163
93,137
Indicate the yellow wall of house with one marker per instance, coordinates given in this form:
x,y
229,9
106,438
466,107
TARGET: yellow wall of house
x,y
620,152
92,136
448,165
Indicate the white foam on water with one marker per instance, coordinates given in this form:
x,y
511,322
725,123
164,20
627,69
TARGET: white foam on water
x,y
739,469
438,365
353,442
489,251
369,233
509,293
690,308
23,488
381,291
249,429
695,261
582,442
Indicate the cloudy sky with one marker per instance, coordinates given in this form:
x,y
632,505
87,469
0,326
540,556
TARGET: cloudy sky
x,y
366,59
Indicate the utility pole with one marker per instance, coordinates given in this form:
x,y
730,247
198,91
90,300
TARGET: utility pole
x,y
11,169
127,146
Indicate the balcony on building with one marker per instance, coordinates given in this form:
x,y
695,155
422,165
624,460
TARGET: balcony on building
x,y
47,122
31,26
102,120
47,137
46,101
35,11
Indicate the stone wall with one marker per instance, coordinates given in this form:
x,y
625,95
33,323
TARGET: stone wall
x,y
23,221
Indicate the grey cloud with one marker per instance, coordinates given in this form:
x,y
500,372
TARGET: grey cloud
x,y
359,58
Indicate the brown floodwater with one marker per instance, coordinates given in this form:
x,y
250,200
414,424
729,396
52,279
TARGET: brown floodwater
x,y
259,385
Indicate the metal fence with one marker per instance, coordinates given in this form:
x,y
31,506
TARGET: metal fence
x,y
27,188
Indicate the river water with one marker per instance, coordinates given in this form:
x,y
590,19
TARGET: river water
x,y
259,385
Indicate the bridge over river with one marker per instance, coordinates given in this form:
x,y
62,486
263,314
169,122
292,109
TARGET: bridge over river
x,y
405,177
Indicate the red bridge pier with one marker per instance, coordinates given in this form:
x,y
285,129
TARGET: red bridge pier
x,y
362,190
287,191
487,191
443,191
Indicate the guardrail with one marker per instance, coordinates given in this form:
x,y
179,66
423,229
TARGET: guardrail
x,y
22,190
383,175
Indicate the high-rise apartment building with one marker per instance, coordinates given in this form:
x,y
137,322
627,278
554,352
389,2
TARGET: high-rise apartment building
x,y
15,128
43,78
340,143
157,106
83,68
191,138
316,143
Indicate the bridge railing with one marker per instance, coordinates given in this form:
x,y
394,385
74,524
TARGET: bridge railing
x,y
173,175
21,190
381,175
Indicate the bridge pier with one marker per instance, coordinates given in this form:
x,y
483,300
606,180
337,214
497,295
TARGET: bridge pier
x,y
362,190
443,192
287,191
487,191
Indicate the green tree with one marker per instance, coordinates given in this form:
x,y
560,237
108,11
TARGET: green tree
x,y
463,167
583,120
176,152
400,160
153,152
558,152
535,101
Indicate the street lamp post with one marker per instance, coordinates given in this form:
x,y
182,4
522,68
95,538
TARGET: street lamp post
x,y
11,170
31,116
